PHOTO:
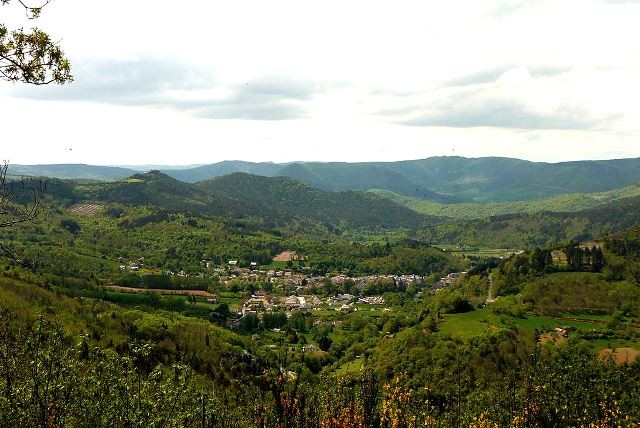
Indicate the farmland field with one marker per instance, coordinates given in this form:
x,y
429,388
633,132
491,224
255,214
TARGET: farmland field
x,y
85,209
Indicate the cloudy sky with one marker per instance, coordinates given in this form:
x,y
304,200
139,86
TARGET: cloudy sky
x,y
192,82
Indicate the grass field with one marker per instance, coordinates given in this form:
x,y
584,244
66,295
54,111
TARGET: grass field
x,y
470,324
350,367
480,321
599,344
234,300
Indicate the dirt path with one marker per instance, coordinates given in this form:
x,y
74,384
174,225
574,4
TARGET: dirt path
x,y
620,355
285,256
490,298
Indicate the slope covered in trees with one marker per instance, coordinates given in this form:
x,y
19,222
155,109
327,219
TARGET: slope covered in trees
x,y
351,208
439,179
530,230
468,211
277,201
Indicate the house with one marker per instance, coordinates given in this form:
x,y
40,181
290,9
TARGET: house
x,y
314,301
345,297
292,302
233,262
561,332
372,300
345,307
312,348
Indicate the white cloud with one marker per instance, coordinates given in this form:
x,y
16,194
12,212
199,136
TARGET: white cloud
x,y
160,82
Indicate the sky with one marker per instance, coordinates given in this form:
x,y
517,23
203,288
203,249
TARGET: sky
x,y
195,82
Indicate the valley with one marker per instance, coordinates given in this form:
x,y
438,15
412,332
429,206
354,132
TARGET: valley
x,y
264,288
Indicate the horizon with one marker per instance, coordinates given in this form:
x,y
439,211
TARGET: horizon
x,y
149,167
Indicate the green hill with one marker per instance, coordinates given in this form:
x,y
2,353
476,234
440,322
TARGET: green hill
x,y
72,171
538,229
448,179
439,179
276,200
561,203
157,189
348,209
205,172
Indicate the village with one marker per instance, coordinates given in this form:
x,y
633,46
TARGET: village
x,y
297,291
287,288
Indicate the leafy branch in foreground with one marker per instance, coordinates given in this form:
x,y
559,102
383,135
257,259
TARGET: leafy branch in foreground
x,y
31,57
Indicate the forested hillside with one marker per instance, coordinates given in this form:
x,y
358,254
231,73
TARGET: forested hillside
x,y
467,211
352,208
528,230
438,179
275,201
75,352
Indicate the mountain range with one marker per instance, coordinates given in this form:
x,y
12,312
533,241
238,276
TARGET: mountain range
x,y
438,179
275,200
284,203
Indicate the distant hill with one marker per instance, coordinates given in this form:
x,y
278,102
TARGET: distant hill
x,y
562,203
158,189
72,171
446,179
438,179
205,172
538,229
349,208
277,200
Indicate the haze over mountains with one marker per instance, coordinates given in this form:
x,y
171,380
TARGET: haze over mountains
x,y
440,179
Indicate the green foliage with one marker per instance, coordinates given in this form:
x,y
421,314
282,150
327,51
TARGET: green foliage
x,y
439,357
324,343
71,225
32,57
580,293
626,248
439,179
540,229
338,210
468,211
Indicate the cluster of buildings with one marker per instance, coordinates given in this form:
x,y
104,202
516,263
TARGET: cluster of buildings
x,y
134,266
258,303
446,281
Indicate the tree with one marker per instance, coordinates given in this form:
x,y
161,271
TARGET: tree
x,y
19,203
31,57
325,343
597,259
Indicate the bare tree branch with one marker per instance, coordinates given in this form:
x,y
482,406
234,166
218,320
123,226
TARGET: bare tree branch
x,y
20,202
32,12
